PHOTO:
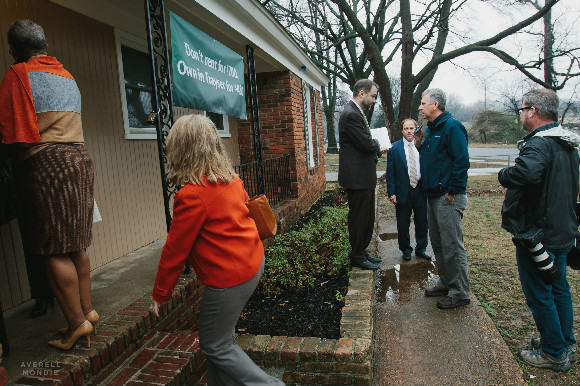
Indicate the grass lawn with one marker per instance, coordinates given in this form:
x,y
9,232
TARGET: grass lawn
x,y
495,281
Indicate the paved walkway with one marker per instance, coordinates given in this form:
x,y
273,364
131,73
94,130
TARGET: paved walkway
x,y
415,343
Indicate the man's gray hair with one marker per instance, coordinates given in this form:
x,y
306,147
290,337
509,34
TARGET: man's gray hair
x,y
26,37
545,101
436,95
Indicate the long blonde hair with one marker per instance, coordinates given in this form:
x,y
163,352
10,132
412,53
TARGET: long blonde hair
x,y
195,150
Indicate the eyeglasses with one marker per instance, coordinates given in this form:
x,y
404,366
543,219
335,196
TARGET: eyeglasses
x,y
523,108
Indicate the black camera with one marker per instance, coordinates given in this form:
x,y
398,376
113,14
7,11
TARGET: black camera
x,y
529,238
532,241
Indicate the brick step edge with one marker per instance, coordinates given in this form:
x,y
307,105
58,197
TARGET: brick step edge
x,y
120,336
310,360
168,358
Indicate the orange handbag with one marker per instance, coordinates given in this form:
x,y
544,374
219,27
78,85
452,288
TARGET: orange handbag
x,y
261,213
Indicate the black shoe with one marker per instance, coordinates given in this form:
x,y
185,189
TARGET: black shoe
x,y
40,307
407,256
374,260
424,255
433,292
449,303
366,265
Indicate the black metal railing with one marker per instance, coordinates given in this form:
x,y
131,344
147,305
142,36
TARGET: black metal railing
x,y
276,173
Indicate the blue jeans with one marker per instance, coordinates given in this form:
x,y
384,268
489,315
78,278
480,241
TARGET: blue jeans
x,y
551,304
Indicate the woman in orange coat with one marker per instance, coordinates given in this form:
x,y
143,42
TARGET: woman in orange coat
x,y
212,231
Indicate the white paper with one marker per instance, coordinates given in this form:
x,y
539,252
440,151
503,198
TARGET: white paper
x,y
381,134
96,213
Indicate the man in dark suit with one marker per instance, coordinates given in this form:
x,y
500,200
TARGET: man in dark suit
x,y
357,171
405,192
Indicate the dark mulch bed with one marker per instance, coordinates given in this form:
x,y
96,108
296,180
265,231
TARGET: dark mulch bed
x,y
302,311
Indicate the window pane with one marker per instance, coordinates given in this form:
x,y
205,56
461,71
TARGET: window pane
x,y
138,87
138,106
217,119
137,67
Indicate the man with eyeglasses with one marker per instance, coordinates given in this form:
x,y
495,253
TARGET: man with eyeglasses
x,y
539,209
444,163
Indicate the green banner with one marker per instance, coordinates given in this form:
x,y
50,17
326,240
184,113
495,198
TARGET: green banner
x,y
206,74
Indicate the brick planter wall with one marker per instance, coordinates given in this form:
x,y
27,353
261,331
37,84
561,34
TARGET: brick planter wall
x,y
134,347
316,361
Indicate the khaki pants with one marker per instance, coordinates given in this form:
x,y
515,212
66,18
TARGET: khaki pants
x,y
446,236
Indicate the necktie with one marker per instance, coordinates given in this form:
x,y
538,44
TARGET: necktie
x,y
412,166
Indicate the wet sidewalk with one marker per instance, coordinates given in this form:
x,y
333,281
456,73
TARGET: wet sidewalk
x,y
415,343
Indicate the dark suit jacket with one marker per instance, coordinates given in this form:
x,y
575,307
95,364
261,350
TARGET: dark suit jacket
x,y
358,151
398,172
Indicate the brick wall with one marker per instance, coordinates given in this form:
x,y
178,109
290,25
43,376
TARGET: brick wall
x,y
280,101
134,347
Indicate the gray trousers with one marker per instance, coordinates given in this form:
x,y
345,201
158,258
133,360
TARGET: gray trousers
x,y
227,364
446,237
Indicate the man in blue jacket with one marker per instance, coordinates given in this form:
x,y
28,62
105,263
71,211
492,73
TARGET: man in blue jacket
x,y
406,193
444,165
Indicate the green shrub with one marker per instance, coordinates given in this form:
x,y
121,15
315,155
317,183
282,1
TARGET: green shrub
x,y
299,256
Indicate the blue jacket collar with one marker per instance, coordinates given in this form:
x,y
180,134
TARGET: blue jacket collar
x,y
439,120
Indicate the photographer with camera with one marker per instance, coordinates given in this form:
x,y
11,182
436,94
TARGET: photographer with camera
x,y
539,210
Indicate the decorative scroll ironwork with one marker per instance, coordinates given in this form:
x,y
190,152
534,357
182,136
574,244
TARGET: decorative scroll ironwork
x,y
277,185
162,102
255,118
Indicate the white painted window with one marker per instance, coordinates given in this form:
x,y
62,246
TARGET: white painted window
x,y
308,126
221,123
134,66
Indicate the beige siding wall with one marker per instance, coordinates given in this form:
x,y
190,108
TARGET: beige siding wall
x,y
127,182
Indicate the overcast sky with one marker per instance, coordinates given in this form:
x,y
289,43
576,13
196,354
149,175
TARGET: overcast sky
x,y
467,77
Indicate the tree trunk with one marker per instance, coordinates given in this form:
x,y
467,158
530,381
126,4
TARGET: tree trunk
x,y
549,77
329,105
407,81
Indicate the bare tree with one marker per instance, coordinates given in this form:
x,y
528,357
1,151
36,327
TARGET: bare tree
x,y
359,30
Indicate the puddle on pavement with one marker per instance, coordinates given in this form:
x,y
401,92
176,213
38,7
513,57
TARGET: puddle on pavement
x,y
395,284
388,236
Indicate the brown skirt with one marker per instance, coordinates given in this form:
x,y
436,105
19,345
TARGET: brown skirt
x,y
54,190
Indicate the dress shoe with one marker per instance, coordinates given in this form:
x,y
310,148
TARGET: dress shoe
x,y
450,302
424,255
374,260
41,307
366,265
91,316
85,329
407,256
433,292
